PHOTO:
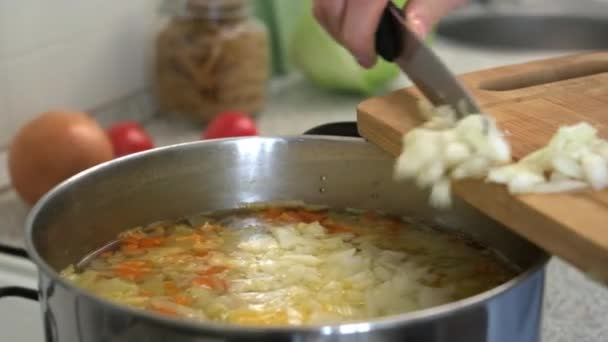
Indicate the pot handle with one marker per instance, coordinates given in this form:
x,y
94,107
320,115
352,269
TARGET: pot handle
x,y
343,129
17,291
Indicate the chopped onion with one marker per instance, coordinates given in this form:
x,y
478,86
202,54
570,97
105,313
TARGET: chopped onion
x,y
524,180
596,171
601,148
504,174
473,167
440,194
456,153
574,159
443,149
567,166
431,173
558,186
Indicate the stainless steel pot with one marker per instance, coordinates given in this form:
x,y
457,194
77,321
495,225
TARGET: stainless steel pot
x,y
89,209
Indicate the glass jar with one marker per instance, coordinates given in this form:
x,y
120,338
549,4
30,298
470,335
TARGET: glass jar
x,y
212,56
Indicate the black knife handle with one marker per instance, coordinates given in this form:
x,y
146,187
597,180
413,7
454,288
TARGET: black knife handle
x,y
389,36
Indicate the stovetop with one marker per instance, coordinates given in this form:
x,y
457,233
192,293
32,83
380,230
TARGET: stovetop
x,y
20,319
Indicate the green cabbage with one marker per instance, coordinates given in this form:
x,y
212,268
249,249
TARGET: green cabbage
x,y
328,65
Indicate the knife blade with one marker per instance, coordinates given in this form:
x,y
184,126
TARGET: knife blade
x,y
397,43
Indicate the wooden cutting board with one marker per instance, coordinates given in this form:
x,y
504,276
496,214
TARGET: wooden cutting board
x,y
529,101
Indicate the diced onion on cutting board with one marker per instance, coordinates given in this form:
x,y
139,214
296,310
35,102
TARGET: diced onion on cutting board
x,y
444,149
574,159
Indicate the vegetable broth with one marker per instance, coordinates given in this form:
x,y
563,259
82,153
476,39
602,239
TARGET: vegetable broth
x,y
290,266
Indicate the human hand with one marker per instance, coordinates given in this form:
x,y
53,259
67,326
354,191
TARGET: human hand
x,y
353,23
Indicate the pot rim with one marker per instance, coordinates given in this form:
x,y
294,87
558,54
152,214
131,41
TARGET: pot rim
x,y
381,323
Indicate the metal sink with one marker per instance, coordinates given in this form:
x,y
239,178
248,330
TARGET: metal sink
x,y
530,32
529,25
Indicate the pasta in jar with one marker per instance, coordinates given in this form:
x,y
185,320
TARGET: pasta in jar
x,y
211,57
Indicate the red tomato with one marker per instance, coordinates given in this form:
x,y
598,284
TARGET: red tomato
x,y
129,137
230,124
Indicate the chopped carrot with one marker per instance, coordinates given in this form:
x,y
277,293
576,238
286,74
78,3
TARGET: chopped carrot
x,y
211,282
298,215
131,240
132,243
170,287
201,253
181,299
334,228
145,293
164,310
213,270
151,242
204,281
132,270
272,213
289,216
310,216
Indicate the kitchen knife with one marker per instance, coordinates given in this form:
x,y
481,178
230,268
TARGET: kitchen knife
x,y
397,43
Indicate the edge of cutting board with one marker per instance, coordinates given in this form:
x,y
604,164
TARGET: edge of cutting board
x,y
573,226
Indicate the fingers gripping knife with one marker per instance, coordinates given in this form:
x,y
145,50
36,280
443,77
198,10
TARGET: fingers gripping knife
x,y
396,42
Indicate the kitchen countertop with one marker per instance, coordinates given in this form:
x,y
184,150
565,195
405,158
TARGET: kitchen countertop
x,y
575,308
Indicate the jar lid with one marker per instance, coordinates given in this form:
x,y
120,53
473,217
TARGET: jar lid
x,y
207,9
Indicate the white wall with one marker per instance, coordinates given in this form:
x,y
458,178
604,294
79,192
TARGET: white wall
x,y
71,54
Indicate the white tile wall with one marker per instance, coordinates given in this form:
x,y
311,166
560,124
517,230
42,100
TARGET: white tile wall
x,y
71,54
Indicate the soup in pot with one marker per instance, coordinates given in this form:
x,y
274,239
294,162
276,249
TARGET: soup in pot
x,y
290,266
